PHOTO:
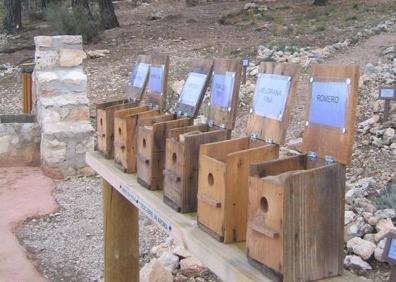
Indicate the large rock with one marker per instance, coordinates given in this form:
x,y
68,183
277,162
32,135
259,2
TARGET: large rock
x,y
386,213
19,142
155,272
356,264
359,189
63,148
349,217
192,267
360,247
383,226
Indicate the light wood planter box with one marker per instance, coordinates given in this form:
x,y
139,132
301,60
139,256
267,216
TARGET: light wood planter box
x,y
105,124
152,133
105,114
126,121
125,135
181,164
182,148
296,205
224,166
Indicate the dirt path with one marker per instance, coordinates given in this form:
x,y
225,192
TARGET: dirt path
x,y
24,192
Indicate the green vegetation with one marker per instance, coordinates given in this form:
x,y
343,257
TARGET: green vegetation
x,y
73,21
387,199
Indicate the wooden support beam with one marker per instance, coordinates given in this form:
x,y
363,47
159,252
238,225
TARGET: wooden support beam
x,y
121,237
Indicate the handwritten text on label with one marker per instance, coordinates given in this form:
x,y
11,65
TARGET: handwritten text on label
x,y
271,95
222,88
192,89
156,79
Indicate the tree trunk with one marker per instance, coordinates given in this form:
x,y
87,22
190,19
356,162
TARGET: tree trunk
x,y
320,2
13,15
84,6
108,17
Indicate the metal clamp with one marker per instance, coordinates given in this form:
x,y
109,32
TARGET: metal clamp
x,y
222,126
329,160
312,156
253,137
210,123
269,141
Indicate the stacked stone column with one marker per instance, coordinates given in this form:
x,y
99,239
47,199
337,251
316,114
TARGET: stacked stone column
x,y
61,105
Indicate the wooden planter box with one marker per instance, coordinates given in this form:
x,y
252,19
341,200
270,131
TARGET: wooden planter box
x,y
125,135
126,121
105,124
224,166
105,113
181,164
182,145
152,134
296,205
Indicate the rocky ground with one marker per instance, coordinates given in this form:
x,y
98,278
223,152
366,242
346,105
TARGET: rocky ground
x,y
67,245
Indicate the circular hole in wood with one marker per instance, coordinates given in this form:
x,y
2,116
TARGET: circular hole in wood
x,y
174,158
144,143
210,179
264,204
119,131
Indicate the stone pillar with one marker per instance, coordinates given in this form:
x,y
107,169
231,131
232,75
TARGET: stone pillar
x,y
61,105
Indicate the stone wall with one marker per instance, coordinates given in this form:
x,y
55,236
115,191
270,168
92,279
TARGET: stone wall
x,y
19,140
61,105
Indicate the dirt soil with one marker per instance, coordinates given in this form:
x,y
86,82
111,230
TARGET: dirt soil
x,y
68,245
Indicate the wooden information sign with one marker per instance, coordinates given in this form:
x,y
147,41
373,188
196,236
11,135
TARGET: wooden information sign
x,y
182,144
387,94
105,111
296,205
389,254
152,133
126,121
224,165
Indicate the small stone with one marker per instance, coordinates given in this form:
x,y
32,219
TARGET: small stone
x,y
386,213
191,267
169,261
370,69
383,226
177,86
379,250
181,252
357,264
373,220
361,247
369,237
155,272
349,217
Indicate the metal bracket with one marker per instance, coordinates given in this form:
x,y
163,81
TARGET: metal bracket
x,y
210,123
222,126
269,141
329,160
179,113
312,156
253,137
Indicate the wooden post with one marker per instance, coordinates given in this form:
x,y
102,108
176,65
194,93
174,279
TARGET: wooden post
x,y
386,110
121,237
387,93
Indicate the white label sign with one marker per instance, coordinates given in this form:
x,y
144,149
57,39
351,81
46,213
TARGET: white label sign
x,y
222,89
392,249
271,95
156,79
192,88
328,103
141,205
387,92
139,75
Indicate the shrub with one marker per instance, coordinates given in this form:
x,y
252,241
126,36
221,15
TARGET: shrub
x,y
73,22
387,199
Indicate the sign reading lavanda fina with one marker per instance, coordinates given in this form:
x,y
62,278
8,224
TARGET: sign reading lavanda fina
x,y
192,88
329,103
156,79
139,75
271,95
222,89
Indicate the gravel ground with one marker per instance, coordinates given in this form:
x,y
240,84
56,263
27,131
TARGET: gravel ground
x,y
68,244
